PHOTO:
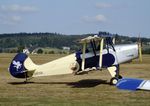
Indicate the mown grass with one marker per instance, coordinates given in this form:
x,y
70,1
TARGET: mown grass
x,y
69,90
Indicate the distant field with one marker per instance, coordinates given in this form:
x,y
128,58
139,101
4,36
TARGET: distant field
x,y
65,90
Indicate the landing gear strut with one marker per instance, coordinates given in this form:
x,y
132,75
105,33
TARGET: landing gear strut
x,y
114,71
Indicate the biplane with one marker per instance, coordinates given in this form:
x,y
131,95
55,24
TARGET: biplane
x,y
98,52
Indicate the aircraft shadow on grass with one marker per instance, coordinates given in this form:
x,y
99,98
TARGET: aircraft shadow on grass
x,y
87,83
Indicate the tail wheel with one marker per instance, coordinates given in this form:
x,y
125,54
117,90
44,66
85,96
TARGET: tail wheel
x,y
113,81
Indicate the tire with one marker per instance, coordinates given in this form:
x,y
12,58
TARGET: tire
x,y
75,67
113,81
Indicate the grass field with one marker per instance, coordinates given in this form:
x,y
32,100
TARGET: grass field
x,y
65,90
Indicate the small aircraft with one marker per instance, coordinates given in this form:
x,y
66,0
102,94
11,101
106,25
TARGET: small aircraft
x,y
98,52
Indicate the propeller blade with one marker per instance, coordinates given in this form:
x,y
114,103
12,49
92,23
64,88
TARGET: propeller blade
x,y
140,49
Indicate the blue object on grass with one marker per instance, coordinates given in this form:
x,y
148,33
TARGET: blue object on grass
x,y
129,84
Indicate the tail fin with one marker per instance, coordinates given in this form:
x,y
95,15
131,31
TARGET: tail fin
x,y
17,68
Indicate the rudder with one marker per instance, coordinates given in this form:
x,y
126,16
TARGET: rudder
x,y
17,68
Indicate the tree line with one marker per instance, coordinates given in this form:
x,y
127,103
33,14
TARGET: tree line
x,y
53,40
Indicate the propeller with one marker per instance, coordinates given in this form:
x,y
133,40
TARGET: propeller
x,y
140,48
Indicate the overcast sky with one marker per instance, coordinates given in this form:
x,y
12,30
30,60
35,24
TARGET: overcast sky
x,y
126,17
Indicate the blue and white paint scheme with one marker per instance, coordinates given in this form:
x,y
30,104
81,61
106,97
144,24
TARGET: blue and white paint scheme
x,y
17,68
98,52
122,54
133,84
110,57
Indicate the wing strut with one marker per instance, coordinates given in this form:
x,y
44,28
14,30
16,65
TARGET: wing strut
x,y
100,52
83,56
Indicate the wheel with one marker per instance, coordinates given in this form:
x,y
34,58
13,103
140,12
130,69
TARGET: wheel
x,y
75,67
113,81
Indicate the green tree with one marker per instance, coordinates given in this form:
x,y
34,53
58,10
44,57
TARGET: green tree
x,y
40,51
20,49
